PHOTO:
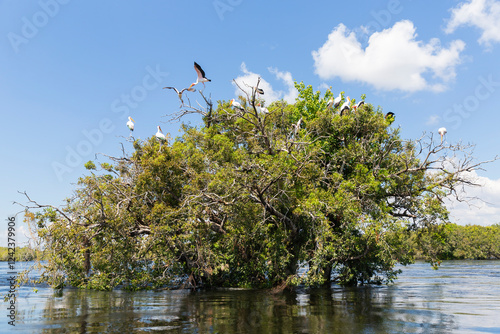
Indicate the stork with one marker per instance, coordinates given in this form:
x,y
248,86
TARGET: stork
x,y
130,124
201,76
179,94
442,132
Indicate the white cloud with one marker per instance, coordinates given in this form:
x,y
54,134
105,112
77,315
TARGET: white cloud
x,y
392,60
287,79
483,14
432,120
250,79
485,210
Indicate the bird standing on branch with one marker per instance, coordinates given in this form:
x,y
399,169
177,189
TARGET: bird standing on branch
x,y
295,129
346,106
259,90
334,103
358,105
337,100
262,109
442,132
161,137
329,105
130,124
236,104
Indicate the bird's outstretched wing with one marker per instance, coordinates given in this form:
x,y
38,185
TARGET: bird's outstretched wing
x,y
199,70
173,89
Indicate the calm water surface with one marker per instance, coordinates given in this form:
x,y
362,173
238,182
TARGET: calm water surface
x,y
460,297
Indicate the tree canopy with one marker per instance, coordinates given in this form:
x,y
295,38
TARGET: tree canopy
x,y
255,197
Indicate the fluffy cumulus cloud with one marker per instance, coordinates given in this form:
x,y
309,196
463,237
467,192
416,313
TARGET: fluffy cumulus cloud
x,y
484,206
392,60
249,79
483,14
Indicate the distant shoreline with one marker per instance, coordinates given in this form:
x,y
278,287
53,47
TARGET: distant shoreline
x,y
22,254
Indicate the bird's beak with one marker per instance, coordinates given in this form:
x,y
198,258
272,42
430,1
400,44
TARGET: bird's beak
x,y
132,119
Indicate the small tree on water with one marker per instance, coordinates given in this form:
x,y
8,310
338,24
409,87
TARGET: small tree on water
x,y
251,196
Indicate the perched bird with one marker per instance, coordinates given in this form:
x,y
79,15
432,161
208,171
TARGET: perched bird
x,y
130,124
337,100
329,105
201,76
358,105
334,102
160,136
442,132
346,106
236,104
262,109
390,117
259,90
189,89
296,128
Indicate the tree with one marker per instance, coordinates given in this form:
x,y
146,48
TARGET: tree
x,y
293,194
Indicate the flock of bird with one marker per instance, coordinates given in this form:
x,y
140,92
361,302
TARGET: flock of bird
x,y
201,78
334,102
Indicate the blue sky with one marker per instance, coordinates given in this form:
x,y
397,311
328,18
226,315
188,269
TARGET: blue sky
x,y
72,71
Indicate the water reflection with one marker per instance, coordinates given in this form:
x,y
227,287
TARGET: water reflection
x,y
450,300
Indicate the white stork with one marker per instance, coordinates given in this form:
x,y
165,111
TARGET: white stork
x,y
161,137
337,100
201,76
236,104
329,105
346,106
262,109
358,105
442,132
130,124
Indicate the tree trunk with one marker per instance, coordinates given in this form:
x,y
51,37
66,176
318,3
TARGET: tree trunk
x,y
327,274
86,257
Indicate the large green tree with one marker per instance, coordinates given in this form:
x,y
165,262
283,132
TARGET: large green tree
x,y
262,197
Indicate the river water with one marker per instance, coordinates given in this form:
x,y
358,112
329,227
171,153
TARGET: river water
x,y
459,297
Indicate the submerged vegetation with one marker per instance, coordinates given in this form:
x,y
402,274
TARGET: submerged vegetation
x,y
252,196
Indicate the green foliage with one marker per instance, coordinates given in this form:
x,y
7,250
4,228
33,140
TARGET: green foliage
x,y
299,195
90,165
21,254
456,242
